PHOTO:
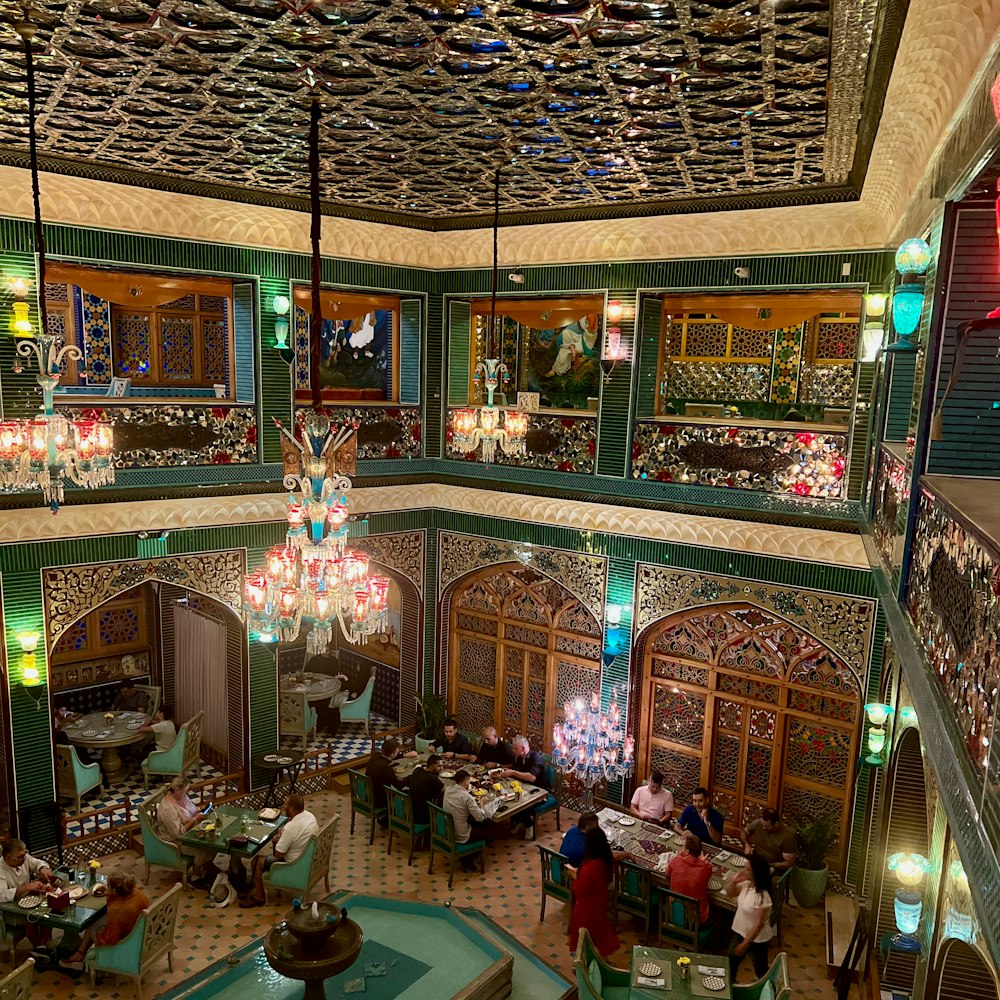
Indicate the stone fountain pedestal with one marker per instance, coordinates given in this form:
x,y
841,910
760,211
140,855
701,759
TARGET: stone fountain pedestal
x,y
312,947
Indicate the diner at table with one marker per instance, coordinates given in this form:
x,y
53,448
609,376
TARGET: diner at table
x,y
701,819
528,766
289,846
161,727
22,875
176,815
771,839
425,786
381,773
573,840
129,698
455,744
472,819
125,904
651,801
494,750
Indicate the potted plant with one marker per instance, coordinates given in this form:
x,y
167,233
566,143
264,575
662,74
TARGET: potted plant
x,y
431,710
809,876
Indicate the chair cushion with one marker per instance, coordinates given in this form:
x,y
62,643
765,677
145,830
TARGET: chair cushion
x,y
594,971
550,803
421,827
475,845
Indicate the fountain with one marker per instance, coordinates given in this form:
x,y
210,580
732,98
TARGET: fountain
x,y
312,944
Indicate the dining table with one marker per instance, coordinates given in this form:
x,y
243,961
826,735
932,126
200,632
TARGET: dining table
x,y
107,732
217,830
84,908
656,975
317,687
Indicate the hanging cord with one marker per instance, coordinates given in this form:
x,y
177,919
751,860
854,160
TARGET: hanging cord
x,y
493,300
316,323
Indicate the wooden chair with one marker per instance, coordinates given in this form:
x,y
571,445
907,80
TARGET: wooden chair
x,y
634,893
183,756
556,880
401,819
150,939
298,717
777,976
360,708
153,694
75,778
17,985
156,850
680,922
363,800
307,869
443,842
779,895
595,979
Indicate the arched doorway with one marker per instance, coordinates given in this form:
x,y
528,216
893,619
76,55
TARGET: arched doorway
x,y
520,646
755,709
963,974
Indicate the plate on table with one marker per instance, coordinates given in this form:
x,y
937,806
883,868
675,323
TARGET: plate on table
x,y
268,814
627,821
286,760
649,969
737,861
90,734
448,774
271,758
714,983
31,900
138,724
77,892
715,884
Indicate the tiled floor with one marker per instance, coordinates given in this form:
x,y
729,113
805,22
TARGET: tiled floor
x,y
507,892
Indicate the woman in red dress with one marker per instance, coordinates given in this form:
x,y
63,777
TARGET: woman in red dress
x,y
590,895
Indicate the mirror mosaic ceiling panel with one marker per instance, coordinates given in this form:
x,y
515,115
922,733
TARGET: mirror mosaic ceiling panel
x,y
611,108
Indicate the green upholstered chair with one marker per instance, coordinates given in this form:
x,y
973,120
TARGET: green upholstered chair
x,y
183,756
298,717
779,895
634,893
359,709
307,869
595,979
75,778
775,984
150,939
401,819
17,985
443,842
680,922
553,778
556,880
363,800
156,850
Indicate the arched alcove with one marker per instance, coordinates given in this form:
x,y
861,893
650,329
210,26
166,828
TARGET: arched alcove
x,y
962,973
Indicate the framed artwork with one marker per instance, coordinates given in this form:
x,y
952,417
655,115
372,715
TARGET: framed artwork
x,y
119,387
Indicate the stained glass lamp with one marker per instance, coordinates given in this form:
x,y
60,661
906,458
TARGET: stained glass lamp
x,y
913,256
907,305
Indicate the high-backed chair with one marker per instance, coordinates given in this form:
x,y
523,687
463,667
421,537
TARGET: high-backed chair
x,y
680,922
153,694
17,985
75,778
183,756
595,979
151,938
298,717
401,819
363,800
309,867
555,878
776,977
359,709
156,850
634,893
779,893
443,842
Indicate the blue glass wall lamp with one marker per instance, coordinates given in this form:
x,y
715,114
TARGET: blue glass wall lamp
x,y
912,260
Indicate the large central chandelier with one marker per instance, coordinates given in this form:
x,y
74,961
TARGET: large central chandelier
x,y
485,426
43,451
591,747
313,577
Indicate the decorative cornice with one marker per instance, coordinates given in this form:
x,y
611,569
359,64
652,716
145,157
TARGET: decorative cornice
x,y
807,544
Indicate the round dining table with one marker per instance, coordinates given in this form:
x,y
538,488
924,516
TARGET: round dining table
x,y
97,731
317,687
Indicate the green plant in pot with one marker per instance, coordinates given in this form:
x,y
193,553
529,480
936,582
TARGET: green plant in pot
x,y
431,711
815,839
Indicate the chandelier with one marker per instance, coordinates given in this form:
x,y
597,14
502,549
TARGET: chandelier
x,y
591,746
485,426
313,577
43,451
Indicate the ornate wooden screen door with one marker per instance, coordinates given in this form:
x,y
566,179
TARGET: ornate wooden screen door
x,y
520,646
753,708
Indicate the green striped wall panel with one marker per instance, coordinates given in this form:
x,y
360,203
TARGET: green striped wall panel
x,y
434,374
614,443
459,352
901,380
275,374
19,394
244,307
647,354
410,354
430,651
861,434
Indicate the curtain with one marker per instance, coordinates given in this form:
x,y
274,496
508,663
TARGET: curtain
x,y
200,674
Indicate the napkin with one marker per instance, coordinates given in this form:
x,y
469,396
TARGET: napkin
x,y
663,860
722,856
707,970
648,981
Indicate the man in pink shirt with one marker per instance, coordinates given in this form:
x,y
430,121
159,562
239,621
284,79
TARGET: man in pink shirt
x,y
689,873
652,801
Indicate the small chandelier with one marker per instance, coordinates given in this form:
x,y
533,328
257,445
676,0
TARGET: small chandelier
x,y
473,428
42,452
591,746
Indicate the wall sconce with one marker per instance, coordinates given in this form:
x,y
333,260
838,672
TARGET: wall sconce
x,y
907,904
878,715
20,325
912,259
875,304
516,276
18,286
280,305
612,633
28,641
871,341
615,352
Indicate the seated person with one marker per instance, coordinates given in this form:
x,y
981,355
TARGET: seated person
x,y
689,872
61,718
701,819
652,801
292,842
471,820
21,874
426,786
175,815
493,750
129,699
162,727
125,906
771,839
572,843
528,767
455,744
381,772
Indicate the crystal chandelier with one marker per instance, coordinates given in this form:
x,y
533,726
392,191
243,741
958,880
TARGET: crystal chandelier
x,y
43,451
313,577
591,746
473,428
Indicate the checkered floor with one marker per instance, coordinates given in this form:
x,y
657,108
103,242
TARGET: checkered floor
x,y
350,743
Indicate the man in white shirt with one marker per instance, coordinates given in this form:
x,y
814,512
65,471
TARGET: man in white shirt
x,y
470,818
162,727
652,801
21,874
292,842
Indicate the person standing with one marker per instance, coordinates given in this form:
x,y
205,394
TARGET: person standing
x,y
701,819
426,786
752,929
573,842
652,801
590,895
771,839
